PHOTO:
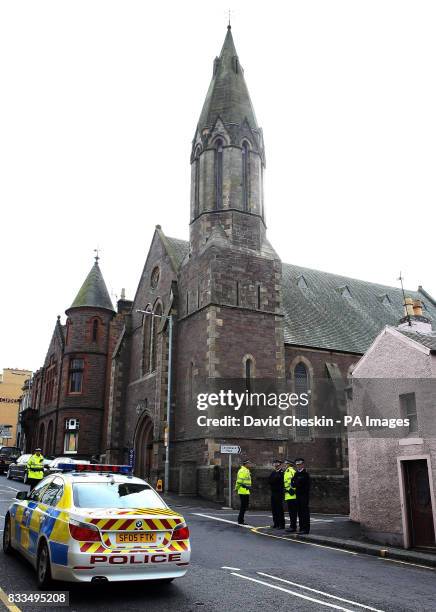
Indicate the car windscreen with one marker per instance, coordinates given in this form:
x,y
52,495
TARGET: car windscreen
x,y
9,450
115,495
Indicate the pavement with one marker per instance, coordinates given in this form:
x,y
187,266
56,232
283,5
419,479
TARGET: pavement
x,y
246,567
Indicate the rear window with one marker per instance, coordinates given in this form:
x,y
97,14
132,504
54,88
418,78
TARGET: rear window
x,y
115,495
9,450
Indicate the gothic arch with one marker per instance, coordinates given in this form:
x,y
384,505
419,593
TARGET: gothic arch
x,y
143,445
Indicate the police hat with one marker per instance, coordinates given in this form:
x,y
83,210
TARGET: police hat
x,y
244,461
288,461
299,461
38,449
275,461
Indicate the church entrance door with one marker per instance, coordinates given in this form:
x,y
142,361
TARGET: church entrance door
x,y
144,447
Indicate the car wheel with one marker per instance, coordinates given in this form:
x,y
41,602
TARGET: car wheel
x,y
43,567
8,475
7,546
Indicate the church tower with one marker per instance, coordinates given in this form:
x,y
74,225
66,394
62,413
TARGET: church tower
x,y
230,319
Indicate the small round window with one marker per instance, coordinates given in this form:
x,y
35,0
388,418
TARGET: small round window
x,y
155,277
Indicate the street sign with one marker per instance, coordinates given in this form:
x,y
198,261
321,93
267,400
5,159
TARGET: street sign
x,y
230,449
5,431
131,457
227,449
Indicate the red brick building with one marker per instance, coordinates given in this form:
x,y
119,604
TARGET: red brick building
x,y
70,391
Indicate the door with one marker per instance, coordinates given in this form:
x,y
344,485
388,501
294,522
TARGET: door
x,y
419,507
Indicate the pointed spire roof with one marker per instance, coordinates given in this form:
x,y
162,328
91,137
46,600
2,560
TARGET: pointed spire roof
x,y
93,292
228,96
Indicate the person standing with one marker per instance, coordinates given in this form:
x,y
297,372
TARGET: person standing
x,y
290,495
243,488
35,468
301,484
275,481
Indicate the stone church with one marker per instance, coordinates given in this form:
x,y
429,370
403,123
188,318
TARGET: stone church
x,y
237,311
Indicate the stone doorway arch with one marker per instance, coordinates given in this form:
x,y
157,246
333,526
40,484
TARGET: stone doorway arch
x,y
143,445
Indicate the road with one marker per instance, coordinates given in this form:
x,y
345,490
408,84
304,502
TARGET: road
x,y
236,569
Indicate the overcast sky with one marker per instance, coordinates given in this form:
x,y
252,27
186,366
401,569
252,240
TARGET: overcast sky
x,y
99,103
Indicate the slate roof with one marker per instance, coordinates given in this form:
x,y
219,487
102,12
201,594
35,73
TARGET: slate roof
x,y
178,249
328,311
324,310
227,96
428,340
93,292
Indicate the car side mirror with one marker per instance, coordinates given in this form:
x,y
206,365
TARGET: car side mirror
x,y
21,495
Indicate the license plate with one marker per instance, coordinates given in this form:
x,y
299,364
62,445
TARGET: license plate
x,y
135,538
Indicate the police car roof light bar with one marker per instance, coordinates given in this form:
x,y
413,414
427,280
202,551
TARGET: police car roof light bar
x,y
95,467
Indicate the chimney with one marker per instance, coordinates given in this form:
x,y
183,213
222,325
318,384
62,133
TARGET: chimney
x,y
417,308
408,307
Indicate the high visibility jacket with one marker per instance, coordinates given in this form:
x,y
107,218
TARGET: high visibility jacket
x,y
243,480
35,467
290,492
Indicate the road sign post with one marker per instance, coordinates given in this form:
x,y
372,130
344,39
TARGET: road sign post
x,y
228,449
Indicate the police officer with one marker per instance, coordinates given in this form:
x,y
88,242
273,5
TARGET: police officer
x,y
290,495
243,487
276,485
301,484
35,468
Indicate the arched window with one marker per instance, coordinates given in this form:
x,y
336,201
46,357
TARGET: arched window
x,y
146,340
245,174
95,330
49,444
248,374
302,386
197,183
219,174
155,327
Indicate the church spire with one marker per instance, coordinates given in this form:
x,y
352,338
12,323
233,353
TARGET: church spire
x,y
227,96
93,293
228,158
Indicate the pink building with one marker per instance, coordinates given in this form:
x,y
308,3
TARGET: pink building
x,y
393,469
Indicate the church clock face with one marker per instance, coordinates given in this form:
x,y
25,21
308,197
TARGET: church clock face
x,y
155,277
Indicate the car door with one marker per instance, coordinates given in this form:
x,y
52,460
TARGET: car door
x,y
27,522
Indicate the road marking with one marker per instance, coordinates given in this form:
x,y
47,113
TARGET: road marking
x,y
237,569
301,586
278,588
216,518
10,606
252,515
427,567
270,535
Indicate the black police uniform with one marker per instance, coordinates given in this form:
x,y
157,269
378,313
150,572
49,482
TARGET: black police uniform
x,y
277,492
301,483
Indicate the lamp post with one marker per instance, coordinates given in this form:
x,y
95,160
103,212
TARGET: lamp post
x,y
170,359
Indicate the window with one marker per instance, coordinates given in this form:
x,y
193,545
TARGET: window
x,y
155,327
301,386
245,175
219,174
115,495
408,410
146,339
248,374
71,441
52,494
197,183
50,377
39,490
95,330
76,375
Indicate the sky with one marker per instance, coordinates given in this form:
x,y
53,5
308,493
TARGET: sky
x,y
98,107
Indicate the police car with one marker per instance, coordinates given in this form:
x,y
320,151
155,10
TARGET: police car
x,y
97,523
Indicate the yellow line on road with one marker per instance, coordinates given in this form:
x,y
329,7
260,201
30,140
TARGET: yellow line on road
x,y
295,539
10,606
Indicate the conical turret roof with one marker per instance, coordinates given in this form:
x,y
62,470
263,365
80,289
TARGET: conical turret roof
x,y
93,292
228,96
